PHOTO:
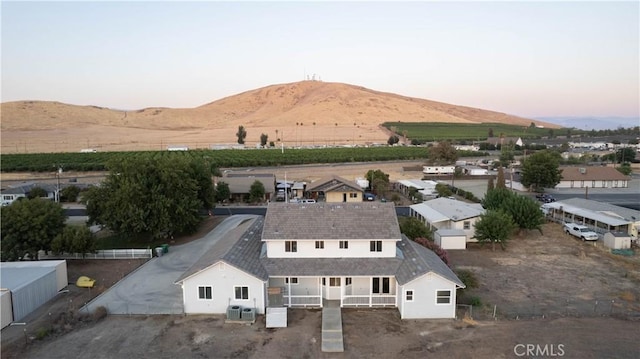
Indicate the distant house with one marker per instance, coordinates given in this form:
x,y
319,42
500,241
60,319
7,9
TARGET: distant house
x,y
306,255
445,213
427,189
592,177
335,189
240,184
22,191
501,141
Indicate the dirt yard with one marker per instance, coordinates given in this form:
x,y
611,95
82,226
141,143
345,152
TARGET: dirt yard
x,y
548,282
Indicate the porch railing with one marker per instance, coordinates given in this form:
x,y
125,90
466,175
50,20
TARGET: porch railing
x,y
365,300
303,300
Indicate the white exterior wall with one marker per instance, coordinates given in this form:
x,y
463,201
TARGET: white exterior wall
x,y
6,310
438,169
450,242
591,184
616,242
222,278
424,298
307,249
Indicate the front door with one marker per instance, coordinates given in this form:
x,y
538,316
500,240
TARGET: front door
x,y
332,288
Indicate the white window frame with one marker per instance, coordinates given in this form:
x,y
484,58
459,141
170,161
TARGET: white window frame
x,y
235,293
348,281
205,292
334,281
466,225
377,246
409,295
439,296
319,244
344,244
291,280
381,285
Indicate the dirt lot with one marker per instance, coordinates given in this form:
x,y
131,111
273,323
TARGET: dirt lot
x,y
549,282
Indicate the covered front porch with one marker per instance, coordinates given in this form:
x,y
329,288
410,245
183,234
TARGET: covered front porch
x,y
350,291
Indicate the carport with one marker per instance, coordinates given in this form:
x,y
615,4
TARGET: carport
x,y
597,221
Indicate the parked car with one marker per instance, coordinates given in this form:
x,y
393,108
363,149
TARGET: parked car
x,y
369,197
580,231
544,197
308,201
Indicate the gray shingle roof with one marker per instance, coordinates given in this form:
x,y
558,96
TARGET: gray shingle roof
x,y
419,260
347,221
243,249
333,183
240,247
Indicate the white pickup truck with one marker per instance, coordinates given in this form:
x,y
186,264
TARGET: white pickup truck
x,y
580,231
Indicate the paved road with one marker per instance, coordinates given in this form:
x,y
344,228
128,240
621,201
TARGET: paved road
x,y
151,289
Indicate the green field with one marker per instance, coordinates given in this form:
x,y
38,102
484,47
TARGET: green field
x,y
49,162
435,131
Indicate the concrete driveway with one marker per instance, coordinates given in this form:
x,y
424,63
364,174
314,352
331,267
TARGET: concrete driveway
x,y
150,289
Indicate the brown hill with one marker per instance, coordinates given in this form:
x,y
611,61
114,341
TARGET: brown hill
x,y
301,112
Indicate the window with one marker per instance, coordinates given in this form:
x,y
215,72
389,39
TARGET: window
x,y
324,281
347,281
344,244
593,184
242,293
408,295
334,282
381,285
467,225
443,297
7,198
205,292
319,244
292,280
290,246
375,246
353,195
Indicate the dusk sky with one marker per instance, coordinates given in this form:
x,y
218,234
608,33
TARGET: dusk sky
x,y
523,58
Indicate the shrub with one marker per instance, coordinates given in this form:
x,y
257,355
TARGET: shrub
x,y
100,313
475,301
42,333
468,278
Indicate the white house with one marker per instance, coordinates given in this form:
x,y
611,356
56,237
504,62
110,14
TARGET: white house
x,y
303,255
444,213
22,191
426,188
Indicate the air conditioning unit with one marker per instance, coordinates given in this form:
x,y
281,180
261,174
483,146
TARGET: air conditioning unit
x,y
233,312
248,314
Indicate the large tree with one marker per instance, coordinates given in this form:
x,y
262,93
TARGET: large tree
x,y
414,228
378,181
223,192
524,211
264,138
157,197
241,134
494,227
29,225
74,239
443,153
256,192
541,170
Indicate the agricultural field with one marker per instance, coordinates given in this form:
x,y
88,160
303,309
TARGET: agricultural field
x,y
434,131
48,162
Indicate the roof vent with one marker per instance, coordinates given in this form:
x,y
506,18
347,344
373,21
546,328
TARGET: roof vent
x,y
582,170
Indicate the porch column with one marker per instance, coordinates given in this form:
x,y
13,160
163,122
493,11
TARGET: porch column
x,y
370,292
289,289
320,290
342,282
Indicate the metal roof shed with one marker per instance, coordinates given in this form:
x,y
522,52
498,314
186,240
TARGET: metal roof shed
x,y
30,288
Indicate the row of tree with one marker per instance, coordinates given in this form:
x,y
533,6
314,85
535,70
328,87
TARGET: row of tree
x,y
33,224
